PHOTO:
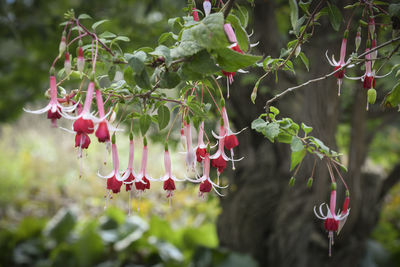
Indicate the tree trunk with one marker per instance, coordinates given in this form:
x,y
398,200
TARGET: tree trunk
x,y
261,214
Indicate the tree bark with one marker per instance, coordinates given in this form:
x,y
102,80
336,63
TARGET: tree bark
x,y
261,214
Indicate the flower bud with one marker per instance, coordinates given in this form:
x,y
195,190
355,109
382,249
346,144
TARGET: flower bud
x,y
371,27
80,63
310,182
371,96
230,33
63,45
298,50
292,181
67,64
207,7
358,38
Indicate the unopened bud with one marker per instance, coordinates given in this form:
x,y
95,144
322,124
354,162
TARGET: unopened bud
x,y
310,182
371,27
358,38
63,45
207,7
298,50
230,33
371,96
292,181
67,64
80,63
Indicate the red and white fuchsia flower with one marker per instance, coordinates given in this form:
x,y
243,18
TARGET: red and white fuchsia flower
x,y
219,159
339,64
331,220
102,132
142,181
205,182
54,109
129,175
168,179
230,139
201,148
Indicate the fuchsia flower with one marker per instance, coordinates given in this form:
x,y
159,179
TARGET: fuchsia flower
x,y
80,62
227,74
230,139
190,155
219,159
339,64
54,109
67,64
332,222
207,7
102,132
168,179
201,148
142,181
114,179
129,175
205,182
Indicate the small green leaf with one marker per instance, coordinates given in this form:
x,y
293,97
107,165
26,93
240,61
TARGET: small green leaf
x,y
169,80
230,60
335,16
142,79
274,110
144,123
305,60
137,61
96,24
271,131
306,128
392,99
297,144
294,13
259,125
163,117
107,34
296,158
84,16
122,38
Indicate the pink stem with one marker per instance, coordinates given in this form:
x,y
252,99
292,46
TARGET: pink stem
x,y
89,98
100,104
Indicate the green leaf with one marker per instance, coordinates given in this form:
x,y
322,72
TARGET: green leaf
x,y
122,38
96,24
271,131
84,16
294,13
259,125
392,99
305,60
335,16
230,60
297,144
187,47
163,117
209,33
137,61
166,37
142,79
203,63
144,123
274,110
241,35
169,80
306,128
107,34
60,226
296,158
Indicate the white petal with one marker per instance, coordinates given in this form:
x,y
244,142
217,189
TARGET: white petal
x,y
107,176
39,111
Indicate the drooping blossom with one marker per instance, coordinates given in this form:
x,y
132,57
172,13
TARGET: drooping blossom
x,y
229,74
54,109
205,182
207,7
129,175
230,139
339,64
114,179
168,179
67,64
190,155
142,181
331,220
368,79
80,62
201,148
219,159
103,128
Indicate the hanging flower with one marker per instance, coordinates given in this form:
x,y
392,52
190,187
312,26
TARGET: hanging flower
x,y
219,159
339,64
205,182
168,179
82,141
142,181
114,179
54,109
201,148
331,220
207,7
190,155
129,175
102,132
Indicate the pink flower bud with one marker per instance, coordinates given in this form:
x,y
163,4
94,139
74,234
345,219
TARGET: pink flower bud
x,y
67,64
62,46
230,33
80,63
207,7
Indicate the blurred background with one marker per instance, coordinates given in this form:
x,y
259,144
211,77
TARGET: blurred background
x,y
52,203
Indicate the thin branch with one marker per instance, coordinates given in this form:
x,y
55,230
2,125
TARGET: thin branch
x,y
290,89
